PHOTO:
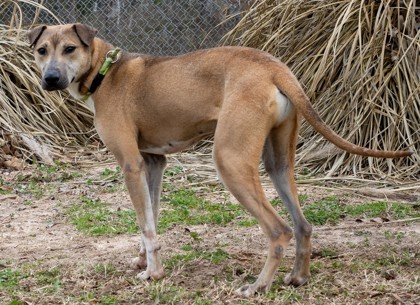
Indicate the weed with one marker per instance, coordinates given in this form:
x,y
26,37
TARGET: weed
x,y
320,212
93,217
16,302
195,236
48,277
326,252
32,187
186,247
394,235
108,300
329,209
105,269
10,278
50,280
166,294
173,171
248,222
58,172
185,207
316,267
289,295
362,233
5,188
215,257
112,175
200,301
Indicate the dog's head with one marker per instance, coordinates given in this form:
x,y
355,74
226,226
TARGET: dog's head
x,y
63,53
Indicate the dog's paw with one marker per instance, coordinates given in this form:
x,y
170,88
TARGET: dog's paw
x,y
148,274
245,291
295,280
143,276
250,290
138,263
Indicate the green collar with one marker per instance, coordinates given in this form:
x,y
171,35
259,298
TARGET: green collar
x,y
111,57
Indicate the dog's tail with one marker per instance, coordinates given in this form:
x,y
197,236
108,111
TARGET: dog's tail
x,y
287,83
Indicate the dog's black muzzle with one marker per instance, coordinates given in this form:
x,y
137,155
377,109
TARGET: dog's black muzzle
x,y
53,80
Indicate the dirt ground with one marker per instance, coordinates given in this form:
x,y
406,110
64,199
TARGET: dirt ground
x,y
355,261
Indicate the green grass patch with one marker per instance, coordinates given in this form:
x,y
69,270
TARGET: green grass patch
x,y
329,209
50,280
185,207
16,302
10,285
248,222
166,293
112,175
178,207
94,217
5,188
37,183
215,257
10,278
105,269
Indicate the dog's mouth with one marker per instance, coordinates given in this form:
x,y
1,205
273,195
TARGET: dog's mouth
x,y
49,86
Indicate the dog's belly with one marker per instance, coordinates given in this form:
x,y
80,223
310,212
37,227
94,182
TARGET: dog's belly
x,y
168,148
170,138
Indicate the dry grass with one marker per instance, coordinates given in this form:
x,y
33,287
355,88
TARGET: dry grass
x,y
359,63
32,120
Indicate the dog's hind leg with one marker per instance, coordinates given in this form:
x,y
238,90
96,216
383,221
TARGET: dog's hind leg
x,y
156,165
278,157
237,151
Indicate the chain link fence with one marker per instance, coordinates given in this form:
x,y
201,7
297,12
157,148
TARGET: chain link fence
x,y
158,27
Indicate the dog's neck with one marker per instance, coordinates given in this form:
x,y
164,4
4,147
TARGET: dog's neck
x,y
80,87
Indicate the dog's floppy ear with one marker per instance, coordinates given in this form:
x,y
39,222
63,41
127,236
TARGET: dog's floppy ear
x,y
35,33
85,32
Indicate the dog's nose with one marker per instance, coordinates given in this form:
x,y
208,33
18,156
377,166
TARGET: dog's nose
x,y
52,77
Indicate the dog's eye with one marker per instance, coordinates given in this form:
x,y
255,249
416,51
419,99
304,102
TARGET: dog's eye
x,y
42,51
69,50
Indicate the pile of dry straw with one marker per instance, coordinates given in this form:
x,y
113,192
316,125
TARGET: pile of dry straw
x,y
33,123
357,60
359,64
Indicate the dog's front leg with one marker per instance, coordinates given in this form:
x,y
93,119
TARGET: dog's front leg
x,y
156,165
124,146
136,181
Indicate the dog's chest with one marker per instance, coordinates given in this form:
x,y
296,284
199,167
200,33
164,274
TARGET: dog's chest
x,y
73,89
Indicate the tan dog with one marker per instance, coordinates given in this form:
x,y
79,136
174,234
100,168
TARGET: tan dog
x,y
147,107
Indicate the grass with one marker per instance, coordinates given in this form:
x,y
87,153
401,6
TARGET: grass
x,y
10,278
200,265
41,182
94,217
330,210
183,206
49,279
216,257
166,294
